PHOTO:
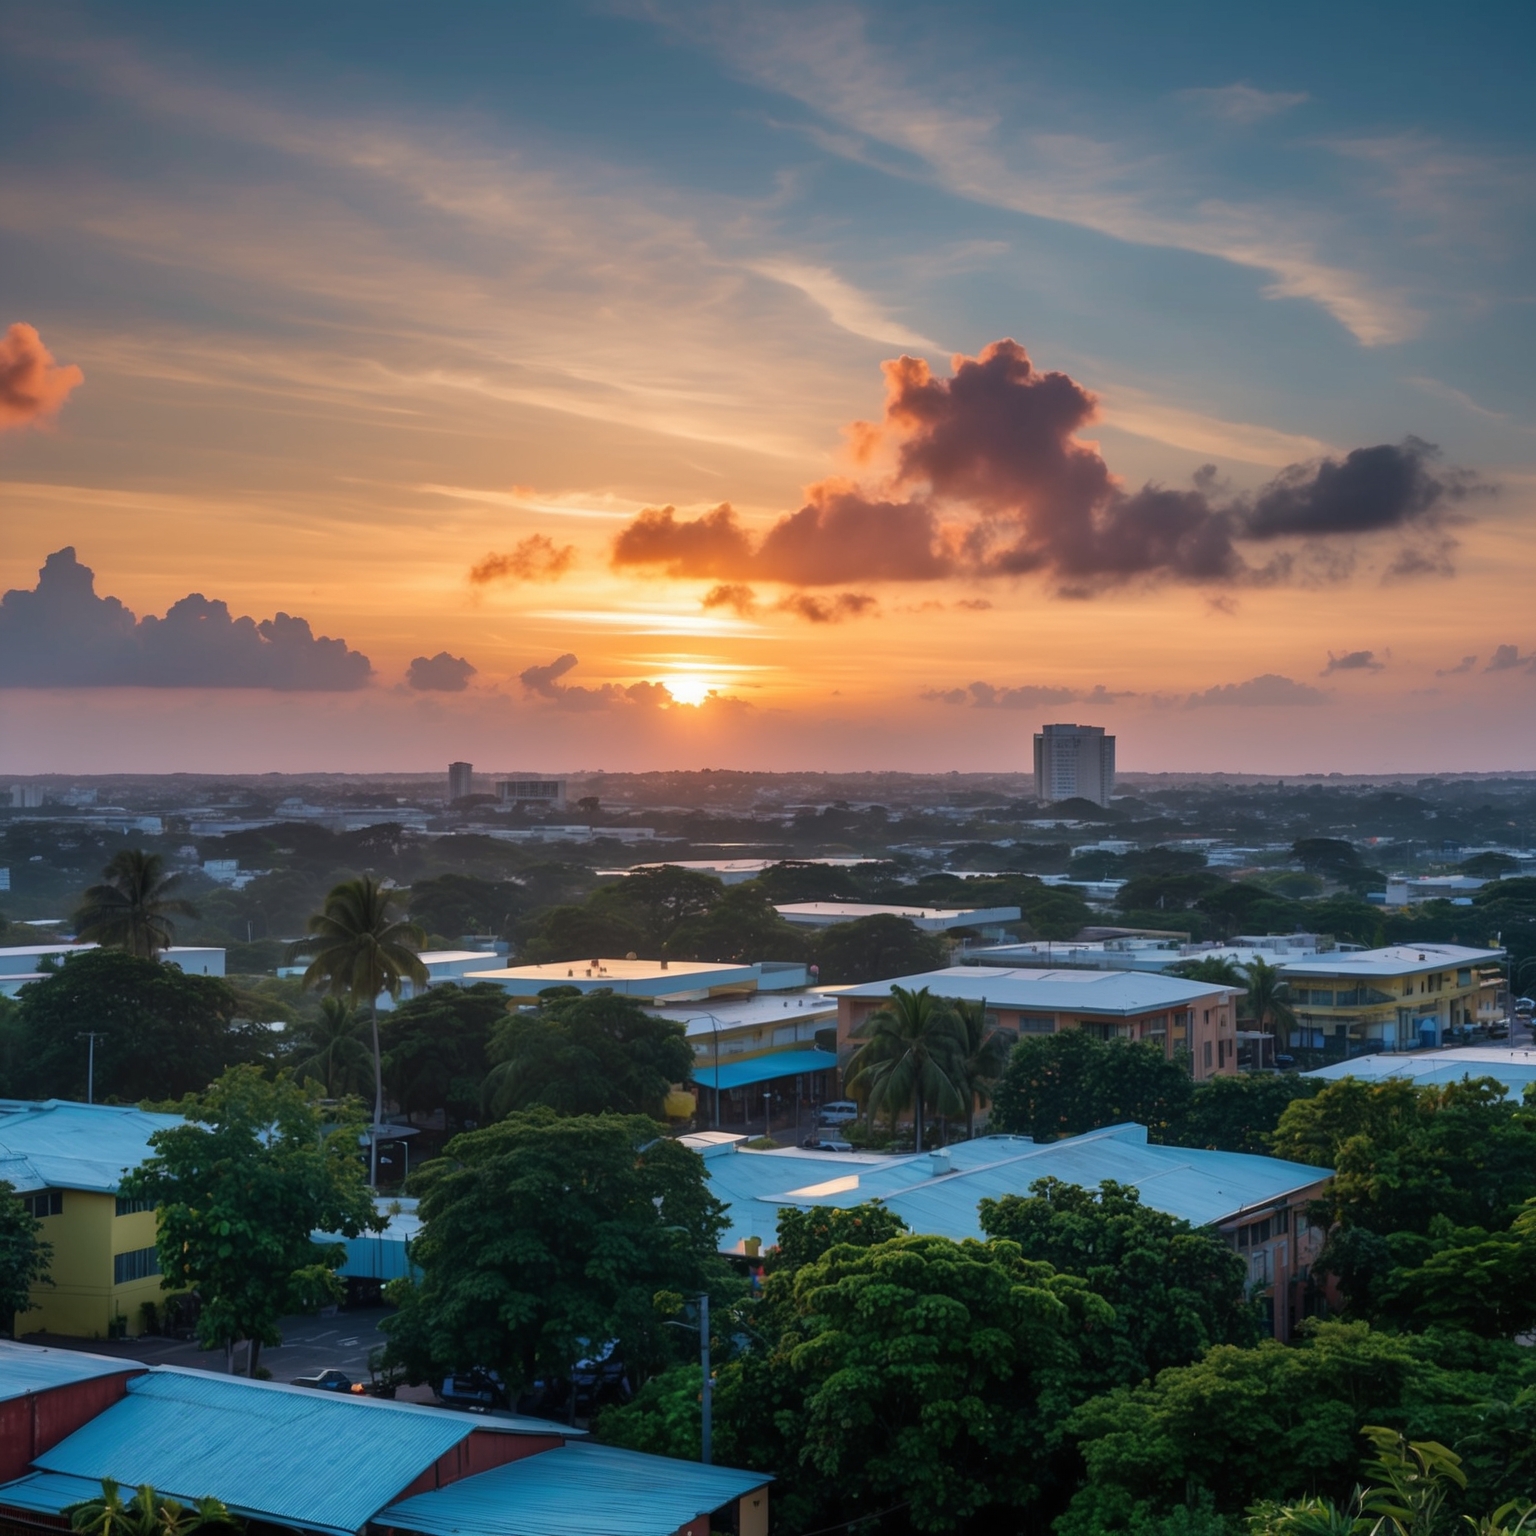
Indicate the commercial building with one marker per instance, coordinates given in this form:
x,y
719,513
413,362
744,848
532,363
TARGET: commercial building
x,y
1258,1204
544,794
66,1162
1074,762
21,963
649,980
1156,955
1516,1069
340,1465
1195,1019
1412,890
823,914
461,780
1403,997
732,871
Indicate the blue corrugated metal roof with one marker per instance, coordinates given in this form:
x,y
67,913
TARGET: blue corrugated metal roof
x,y
1075,992
28,1368
764,1069
1199,1186
595,1489
47,1493
56,1144
1516,1069
308,1459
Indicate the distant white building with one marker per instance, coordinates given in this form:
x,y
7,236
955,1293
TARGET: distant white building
x,y
824,914
1074,762
461,780
21,963
546,793
1410,890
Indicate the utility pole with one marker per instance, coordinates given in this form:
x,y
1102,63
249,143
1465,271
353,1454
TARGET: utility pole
x,y
706,1395
92,1035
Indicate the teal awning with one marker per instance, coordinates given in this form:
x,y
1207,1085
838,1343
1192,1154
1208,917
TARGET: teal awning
x,y
764,1069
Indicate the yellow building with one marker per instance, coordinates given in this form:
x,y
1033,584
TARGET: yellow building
x,y
1403,998
66,1162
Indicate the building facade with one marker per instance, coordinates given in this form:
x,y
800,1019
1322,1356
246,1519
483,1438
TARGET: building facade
x,y
546,793
1074,762
461,780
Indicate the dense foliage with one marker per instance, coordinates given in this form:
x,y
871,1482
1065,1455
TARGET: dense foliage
x,y
24,1257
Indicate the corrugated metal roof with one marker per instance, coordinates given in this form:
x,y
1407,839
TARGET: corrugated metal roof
x,y
309,1459
47,1493
1196,1185
1515,1069
1106,992
763,1069
595,1489
1395,960
27,1368
56,1144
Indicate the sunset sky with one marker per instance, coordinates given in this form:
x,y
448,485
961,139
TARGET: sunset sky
x,y
770,386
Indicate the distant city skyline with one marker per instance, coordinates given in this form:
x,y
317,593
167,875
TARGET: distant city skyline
x,y
788,387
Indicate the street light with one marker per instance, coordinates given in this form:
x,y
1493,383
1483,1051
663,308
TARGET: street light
x,y
706,1392
93,1035
714,1025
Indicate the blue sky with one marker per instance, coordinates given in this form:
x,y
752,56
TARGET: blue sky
x,y
362,293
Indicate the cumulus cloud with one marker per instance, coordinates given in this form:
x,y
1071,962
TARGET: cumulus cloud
x,y
1268,689
439,674
1352,661
536,558
545,682
1466,664
989,477
60,634
33,387
814,610
1506,658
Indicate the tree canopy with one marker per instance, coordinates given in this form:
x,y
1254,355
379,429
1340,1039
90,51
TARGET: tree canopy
x,y
239,1188
162,1033
24,1257
135,907
436,1049
545,1236
875,948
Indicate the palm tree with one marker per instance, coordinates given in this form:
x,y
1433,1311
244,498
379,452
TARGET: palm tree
x,y
984,1051
912,1055
331,1048
132,908
1213,968
361,949
1265,1000
145,1514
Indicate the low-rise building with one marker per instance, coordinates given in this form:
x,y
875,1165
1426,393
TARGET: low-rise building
x,y
1515,1069
1258,1204
1156,955
21,963
649,980
66,1162
1193,1019
1403,997
824,914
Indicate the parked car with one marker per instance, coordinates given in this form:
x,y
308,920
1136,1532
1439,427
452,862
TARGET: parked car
x,y
327,1381
474,1390
1525,1005
827,1144
594,1383
838,1112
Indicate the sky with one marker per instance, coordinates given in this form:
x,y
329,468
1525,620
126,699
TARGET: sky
x,y
779,386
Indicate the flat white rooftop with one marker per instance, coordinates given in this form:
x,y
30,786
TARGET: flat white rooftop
x,y
1395,960
737,871
823,914
1104,992
756,1011
21,959
633,978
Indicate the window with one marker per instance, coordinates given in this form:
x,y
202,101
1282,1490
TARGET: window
x,y
49,1202
1035,1024
1207,1055
138,1265
128,1207
1464,978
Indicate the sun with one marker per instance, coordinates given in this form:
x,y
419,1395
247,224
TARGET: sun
x,y
689,688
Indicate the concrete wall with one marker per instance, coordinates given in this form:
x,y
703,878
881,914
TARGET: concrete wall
x,y
83,1299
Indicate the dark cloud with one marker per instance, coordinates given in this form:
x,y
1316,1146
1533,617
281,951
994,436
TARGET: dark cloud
x,y
440,674
1506,658
60,634
545,683
1352,661
536,558
1466,664
991,478
1268,689
828,610
733,594
32,386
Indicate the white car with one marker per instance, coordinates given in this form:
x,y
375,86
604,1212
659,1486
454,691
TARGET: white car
x,y
838,1112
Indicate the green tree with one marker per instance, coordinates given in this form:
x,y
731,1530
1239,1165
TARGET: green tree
x,y
569,932
161,1033
805,1235
543,1235
1067,1083
331,1048
135,906
360,949
1265,1000
1175,1290
919,1373
873,948
24,1257
911,1057
1240,1114
741,927
455,904
147,1513
983,1058
258,1166
587,1055
436,1049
